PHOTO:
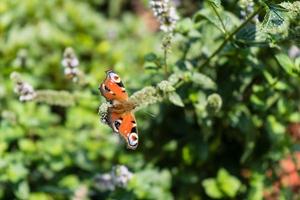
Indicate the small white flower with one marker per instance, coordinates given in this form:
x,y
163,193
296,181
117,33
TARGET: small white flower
x,y
118,177
103,112
70,63
70,71
25,91
165,13
121,175
165,86
104,182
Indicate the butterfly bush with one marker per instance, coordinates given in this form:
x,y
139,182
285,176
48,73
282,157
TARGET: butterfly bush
x,y
119,176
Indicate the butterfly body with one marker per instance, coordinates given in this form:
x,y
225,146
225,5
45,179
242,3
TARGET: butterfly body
x,y
119,116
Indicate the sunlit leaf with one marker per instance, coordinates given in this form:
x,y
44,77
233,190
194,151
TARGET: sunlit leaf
x,y
176,99
203,81
212,189
286,63
228,184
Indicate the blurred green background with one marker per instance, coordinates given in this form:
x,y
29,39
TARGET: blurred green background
x,y
198,151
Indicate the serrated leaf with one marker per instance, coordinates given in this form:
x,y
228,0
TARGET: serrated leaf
x,y
211,188
176,99
228,18
275,22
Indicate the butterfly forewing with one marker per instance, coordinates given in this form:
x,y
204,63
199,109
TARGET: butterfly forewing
x,y
112,87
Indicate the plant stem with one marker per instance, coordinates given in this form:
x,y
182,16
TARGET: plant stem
x,y
229,37
165,62
166,45
53,97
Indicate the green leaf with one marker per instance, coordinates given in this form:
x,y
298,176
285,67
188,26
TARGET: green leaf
x,y
230,185
223,185
184,26
228,19
150,57
211,188
276,23
23,190
16,172
175,99
151,184
70,181
287,64
203,81
27,145
39,196
256,187
249,147
216,3
151,67
274,126
187,155
297,63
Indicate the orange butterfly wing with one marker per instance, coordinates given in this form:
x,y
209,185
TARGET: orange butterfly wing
x,y
125,125
121,120
112,88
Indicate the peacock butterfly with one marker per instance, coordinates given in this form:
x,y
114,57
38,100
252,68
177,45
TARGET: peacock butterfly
x,y
120,115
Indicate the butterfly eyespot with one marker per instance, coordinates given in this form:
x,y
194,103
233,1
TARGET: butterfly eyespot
x,y
114,77
116,125
133,140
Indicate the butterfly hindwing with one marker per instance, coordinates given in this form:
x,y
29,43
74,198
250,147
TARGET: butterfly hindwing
x,y
125,125
112,88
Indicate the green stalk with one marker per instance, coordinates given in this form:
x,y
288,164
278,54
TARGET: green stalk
x,y
165,62
229,37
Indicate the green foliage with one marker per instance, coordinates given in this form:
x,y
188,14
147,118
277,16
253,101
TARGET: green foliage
x,y
287,64
151,184
223,186
221,96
